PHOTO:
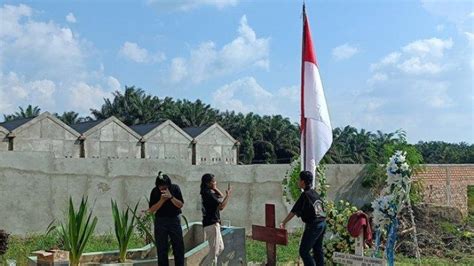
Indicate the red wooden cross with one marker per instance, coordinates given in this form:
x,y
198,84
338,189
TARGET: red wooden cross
x,y
269,234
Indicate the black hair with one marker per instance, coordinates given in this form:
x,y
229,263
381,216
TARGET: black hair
x,y
162,180
307,178
205,180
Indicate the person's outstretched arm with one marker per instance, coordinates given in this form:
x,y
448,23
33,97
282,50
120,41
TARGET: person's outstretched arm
x,y
287,219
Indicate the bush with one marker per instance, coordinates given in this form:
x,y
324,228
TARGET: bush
x,y
337,237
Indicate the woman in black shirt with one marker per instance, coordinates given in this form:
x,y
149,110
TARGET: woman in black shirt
x,y
213,201
310,208
166,202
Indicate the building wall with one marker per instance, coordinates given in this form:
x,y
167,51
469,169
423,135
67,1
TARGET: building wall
x,y
168,144
112,141
447,184
47,136
36,187
215,148
3,141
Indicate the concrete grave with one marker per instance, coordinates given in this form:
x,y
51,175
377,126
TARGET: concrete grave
x,y
358,258
195,250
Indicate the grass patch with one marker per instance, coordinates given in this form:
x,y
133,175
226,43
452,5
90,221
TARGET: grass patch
x,y
19,248
256,250
470,205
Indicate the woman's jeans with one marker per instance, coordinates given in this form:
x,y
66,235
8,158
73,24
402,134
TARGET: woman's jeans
x,y
168,229
313,239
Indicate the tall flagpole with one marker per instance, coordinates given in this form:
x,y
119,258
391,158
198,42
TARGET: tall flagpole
x,y
303,119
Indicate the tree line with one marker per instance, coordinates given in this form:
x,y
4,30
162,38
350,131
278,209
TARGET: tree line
x,y
263,139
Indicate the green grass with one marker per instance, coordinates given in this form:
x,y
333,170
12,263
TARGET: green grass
x,y
470,204
256,251
19,248
288,255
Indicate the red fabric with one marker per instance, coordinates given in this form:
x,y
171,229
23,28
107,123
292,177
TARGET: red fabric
x,y
359,224
308,55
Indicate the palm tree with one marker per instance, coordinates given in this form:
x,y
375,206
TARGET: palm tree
x,y
132,107
193,114
72,117
29,112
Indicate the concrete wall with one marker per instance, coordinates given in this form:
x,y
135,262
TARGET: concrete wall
x,y
215,147
169,144
35,187
3,139
112,141
48,136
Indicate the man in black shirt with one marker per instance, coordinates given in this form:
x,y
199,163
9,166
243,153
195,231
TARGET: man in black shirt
x,y
310,208
166,202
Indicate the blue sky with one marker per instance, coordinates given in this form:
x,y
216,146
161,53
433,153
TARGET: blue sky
x,y
385,65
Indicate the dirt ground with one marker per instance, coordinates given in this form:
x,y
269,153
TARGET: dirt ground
x,y
441,231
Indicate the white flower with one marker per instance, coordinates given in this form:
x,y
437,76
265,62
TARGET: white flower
x,y
405,167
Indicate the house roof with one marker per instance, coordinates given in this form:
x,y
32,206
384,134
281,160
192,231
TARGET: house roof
x,y
195,131
11,125
84,126
143,129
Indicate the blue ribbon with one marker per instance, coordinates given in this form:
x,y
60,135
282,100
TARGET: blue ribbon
x,y
391,240
378,234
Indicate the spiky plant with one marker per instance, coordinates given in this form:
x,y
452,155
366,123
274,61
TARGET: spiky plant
x,y
76,231
124,223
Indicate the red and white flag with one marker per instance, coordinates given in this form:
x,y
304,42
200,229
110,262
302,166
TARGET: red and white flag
x,y
316,130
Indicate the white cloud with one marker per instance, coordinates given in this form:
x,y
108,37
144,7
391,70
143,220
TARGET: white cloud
x,y
71,18
186,5
243,95
454,11
132,51
434,94
17,90
469,36
10,16
45,61
247,95
207,61
428,47
416,66
113,84
389,59
377,77
178,69
291,94
412,88
344,51
84,96
419,57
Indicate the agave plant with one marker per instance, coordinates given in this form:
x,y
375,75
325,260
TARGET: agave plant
x,y
124,224
77,230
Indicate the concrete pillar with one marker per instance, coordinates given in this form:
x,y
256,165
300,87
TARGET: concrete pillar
x,y
142,148
237,145
193,152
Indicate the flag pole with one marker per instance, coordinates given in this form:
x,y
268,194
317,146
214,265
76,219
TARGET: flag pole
x,y
303,119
